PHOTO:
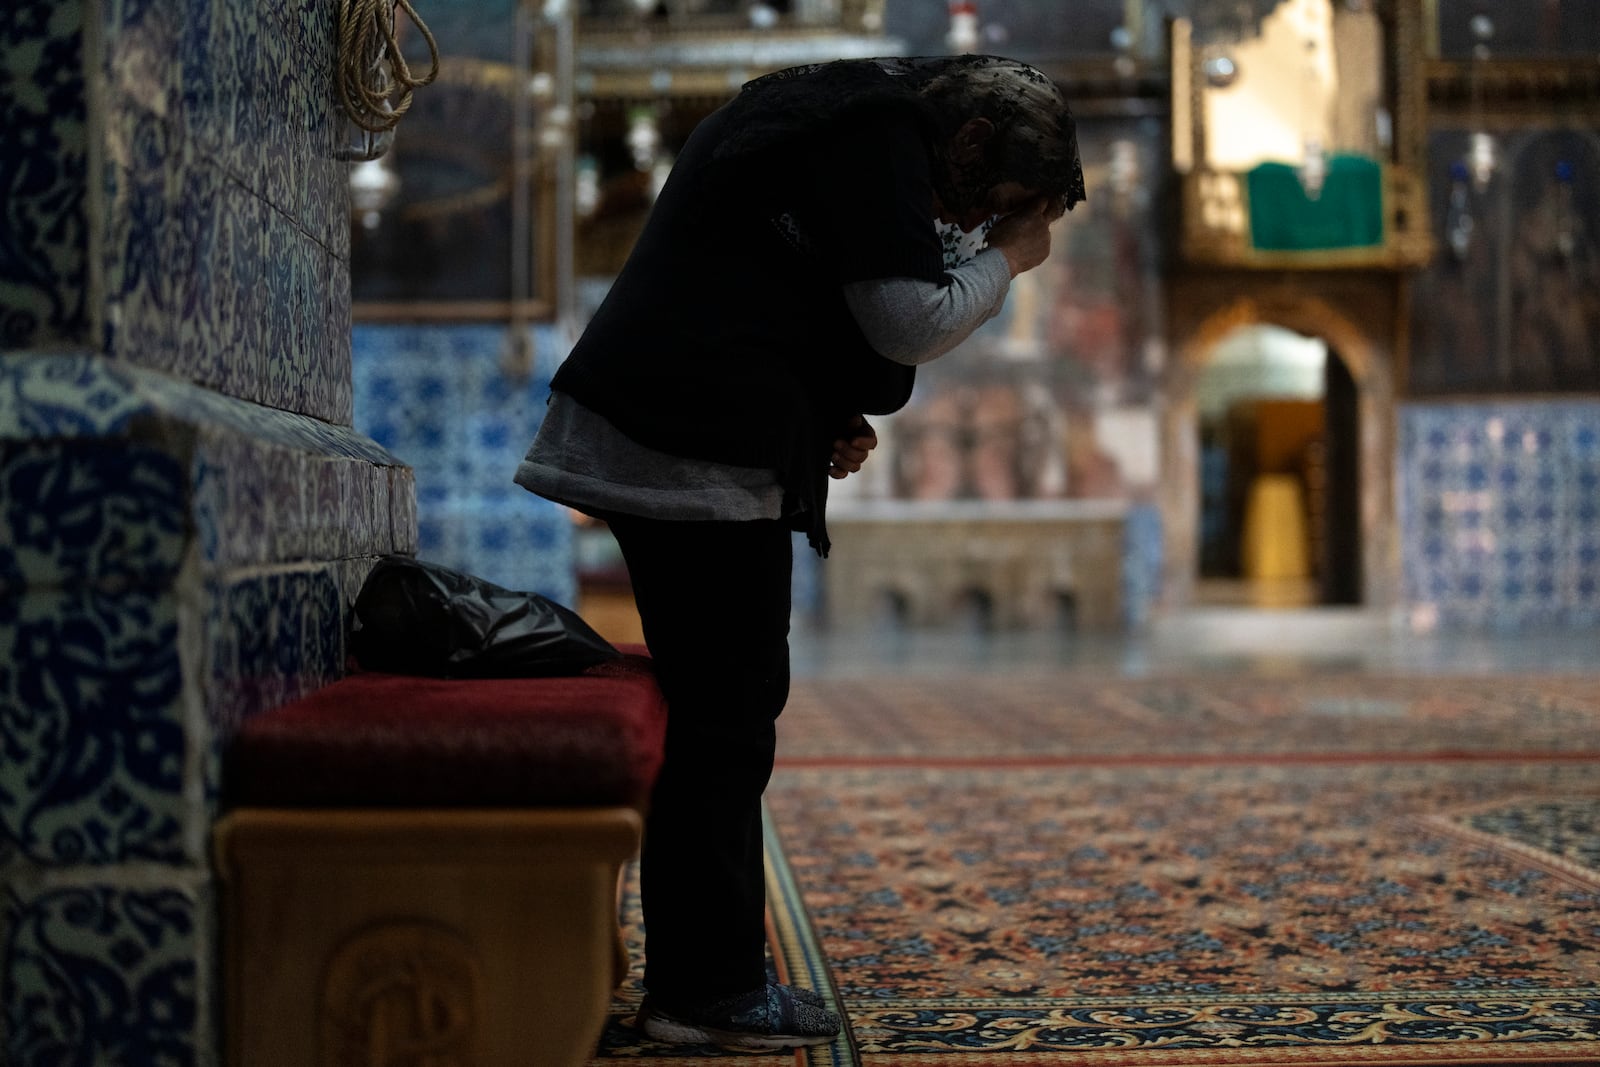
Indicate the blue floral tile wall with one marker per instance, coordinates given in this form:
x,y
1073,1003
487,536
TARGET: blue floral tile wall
x,y
62,1004
172,561
131,502
186,514
1500,514
441,399
94,770
218,220
44,174
91,540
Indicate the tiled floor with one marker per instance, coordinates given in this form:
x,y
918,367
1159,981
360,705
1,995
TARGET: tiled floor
x,y
1222,639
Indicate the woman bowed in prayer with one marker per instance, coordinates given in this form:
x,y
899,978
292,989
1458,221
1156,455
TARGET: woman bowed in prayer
x,y
791,277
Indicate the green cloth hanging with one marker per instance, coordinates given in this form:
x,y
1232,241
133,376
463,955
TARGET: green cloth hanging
x,y
1348,214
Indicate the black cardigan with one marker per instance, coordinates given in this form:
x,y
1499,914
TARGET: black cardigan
x,y
726,337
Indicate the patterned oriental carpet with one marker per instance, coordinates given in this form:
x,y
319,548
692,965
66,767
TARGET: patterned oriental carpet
x,y
1331,870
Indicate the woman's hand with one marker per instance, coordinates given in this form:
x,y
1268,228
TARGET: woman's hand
x,y
1024,235
849,453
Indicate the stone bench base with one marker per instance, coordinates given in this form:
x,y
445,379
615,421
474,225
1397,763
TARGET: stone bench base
x,y
477,936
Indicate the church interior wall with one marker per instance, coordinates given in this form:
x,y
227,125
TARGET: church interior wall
x,y
1498,466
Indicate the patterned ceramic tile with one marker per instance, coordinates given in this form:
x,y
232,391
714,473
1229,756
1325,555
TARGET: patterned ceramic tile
x,y
324,209
302,334
287,486
214,87
280,636
100,974
524,545
223,134
225,243
94,536
356,508
379,529
110,514
248,518
234,270
1580,565
282,365
220,649
325,506
253,684
264,505
43,174
325,387
140,39
337,367
317,38
189,250
1498,507
65,395
199,77
240,48
140,324
440,398
94,771
403,509
287,166
258,482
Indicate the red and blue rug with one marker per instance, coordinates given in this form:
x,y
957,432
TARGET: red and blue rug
x,y
1325,870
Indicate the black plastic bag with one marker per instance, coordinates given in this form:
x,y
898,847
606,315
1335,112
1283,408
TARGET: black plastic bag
x,y
413,617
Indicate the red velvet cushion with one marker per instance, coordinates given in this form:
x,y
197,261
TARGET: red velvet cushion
x,y
388,740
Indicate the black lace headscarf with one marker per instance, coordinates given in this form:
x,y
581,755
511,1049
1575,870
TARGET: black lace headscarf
x,y
1035,142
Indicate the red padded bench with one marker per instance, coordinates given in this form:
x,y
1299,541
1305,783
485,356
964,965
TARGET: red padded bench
x,y
426,864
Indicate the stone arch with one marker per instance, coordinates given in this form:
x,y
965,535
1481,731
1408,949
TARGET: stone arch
x,y
1310,316
1357,322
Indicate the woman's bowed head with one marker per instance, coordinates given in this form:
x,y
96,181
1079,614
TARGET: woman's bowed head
x,y
1004,141
1010,152
1007,134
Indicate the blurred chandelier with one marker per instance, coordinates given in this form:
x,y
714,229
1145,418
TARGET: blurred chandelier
x,y
1481,158
374,184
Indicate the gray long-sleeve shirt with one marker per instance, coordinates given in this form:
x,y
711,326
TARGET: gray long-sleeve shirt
x,y
579,459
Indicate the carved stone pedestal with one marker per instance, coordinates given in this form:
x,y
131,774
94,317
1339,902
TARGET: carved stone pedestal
x,y
464,937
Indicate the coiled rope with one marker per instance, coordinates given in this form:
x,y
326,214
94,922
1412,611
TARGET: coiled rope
x,y
371,67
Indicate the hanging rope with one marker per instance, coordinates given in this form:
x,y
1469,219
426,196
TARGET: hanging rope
x,y
371,66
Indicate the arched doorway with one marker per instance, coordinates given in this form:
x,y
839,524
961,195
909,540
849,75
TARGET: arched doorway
x,y
1278,479
1347,387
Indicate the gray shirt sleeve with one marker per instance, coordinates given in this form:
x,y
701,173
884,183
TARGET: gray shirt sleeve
x,y
912,321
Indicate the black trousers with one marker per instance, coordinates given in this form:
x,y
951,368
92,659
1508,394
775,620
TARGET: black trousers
x,y
714,601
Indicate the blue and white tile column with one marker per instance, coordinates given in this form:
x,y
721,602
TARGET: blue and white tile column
x,y
185,510
1500,514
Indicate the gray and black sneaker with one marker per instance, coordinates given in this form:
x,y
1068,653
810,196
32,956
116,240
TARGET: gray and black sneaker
x,y
777,1016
